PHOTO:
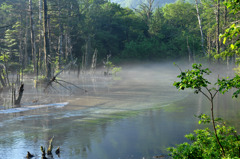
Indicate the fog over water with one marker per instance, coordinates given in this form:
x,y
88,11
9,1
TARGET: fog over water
x,y
137,114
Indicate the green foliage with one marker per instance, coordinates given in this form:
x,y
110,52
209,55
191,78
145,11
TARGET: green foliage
x,y
231,34
4,57
29,69
110,67
234,5
116,69
14,66
223,141
226,84
203,144
114,30
193,78
203,118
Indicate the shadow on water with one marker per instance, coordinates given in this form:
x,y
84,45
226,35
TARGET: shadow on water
x,y
138,116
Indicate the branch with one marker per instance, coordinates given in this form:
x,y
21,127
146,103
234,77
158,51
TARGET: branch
x,y
73,85
205,94
178,67
62,85
1,27
215,93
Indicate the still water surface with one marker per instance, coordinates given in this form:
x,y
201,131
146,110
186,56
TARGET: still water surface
x,y
135,117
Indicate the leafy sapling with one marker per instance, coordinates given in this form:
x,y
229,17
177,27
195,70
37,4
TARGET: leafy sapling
x,y
195,80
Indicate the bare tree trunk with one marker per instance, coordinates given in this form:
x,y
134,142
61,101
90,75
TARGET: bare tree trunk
x,y
190,54
217,29
49,34
209,46
88,53
146,10
200,26
83,64
20,94
39,62
21,49
66,46
225,15
26,44
32,36
60,41
46,41
94,61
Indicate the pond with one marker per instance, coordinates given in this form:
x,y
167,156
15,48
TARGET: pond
x,y
137,114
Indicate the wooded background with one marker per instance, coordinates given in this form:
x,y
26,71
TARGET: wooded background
x,y
39,36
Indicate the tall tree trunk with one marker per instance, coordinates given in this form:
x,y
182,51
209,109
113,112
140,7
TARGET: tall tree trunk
x,y
21,47
225,24
209,46
217,29
60,40
39,62
190,54
26,44
20,94
94,61
49,34
88,53
200,26
225,15
33,46
46,41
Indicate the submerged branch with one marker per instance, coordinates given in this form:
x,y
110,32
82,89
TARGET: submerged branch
x,y
55,76
73,85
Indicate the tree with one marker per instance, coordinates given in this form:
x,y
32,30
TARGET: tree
x,y
195,80
33,46
232,33
46,41
217,28
200,26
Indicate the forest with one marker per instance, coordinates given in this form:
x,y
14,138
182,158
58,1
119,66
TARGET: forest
x,y
41,37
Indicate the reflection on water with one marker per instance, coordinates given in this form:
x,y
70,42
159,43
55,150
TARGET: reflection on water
x,y
138,116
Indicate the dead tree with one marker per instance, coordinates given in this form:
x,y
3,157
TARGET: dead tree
x,y
107,64
29,155
57,151
54,79
39,55
146,11
43,153
94,61
32,36
190,54
60,38
50,146
46,41
200,27
20,94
